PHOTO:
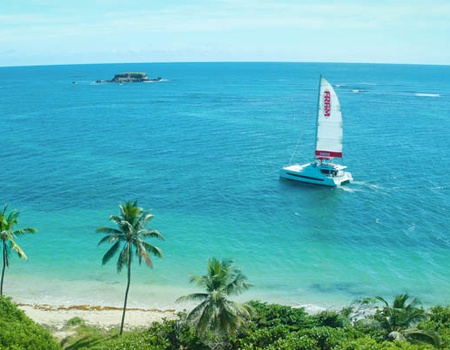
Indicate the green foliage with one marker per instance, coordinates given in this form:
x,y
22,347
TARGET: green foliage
x,y
401,315
330,319
368,343
259,338
275,327
399,321
87,338
132,233
75,321
17,331
439,318
216,317
269,315
439,322
167,335
283,327
319,338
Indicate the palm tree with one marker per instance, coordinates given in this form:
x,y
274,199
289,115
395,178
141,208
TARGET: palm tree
x,y
132,232
216,313
8,236
400,319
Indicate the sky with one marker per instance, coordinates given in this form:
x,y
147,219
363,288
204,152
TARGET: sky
x,y
47,32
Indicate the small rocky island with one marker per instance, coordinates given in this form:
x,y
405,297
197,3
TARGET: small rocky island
x,y
130,77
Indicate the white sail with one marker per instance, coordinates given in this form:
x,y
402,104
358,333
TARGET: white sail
x,y
329,123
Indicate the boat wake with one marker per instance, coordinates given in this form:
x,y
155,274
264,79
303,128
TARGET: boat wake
x,y
347,188
419,94
357,186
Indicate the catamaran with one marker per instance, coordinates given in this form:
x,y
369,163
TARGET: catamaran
x,y
322,170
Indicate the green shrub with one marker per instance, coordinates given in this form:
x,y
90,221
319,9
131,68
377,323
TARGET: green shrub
x,y
75,321
367,343
17,331
262,337
269,315
439,321
330,319
167,335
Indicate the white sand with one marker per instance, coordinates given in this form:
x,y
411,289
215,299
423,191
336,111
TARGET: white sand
x,y
105,317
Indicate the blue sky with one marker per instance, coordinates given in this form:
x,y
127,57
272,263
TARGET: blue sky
x,y
38,32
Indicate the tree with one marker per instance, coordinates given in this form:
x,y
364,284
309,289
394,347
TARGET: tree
x,y
216,313
132,233
8,236
400,319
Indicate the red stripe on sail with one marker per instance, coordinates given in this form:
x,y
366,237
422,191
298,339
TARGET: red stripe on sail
x,y
328,154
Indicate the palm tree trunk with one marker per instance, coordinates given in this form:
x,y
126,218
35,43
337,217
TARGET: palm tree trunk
x,y
126,298
5,257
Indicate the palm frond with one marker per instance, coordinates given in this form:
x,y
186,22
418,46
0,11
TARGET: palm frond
x,y
16,248
142,253
111,238
130,212
238,285
422,335
111,252
151,233
204,316
25,230
198,280
146,217
130,229
386,304
216,313
108,230
400,301
152,249
229,319
193,297
116,219
398,336
125,257
5,208
8,234
12,218
143,218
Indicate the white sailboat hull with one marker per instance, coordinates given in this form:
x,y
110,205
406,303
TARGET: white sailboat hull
x,y
323,174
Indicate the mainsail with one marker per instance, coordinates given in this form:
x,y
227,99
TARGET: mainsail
x,y
329,123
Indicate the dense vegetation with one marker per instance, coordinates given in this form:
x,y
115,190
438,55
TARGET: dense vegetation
x,y
274,327
18,332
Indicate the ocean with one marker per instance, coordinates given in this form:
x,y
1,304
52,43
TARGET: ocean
x,y
202,150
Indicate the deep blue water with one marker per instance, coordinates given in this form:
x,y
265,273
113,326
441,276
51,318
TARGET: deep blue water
x,y
202,149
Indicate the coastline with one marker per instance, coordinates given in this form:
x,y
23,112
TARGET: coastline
x,y
105,317
55,317
99,303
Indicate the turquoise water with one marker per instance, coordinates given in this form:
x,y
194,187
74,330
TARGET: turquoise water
x,y
202,149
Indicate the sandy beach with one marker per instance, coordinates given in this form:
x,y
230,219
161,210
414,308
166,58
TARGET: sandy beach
x,y
55,317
